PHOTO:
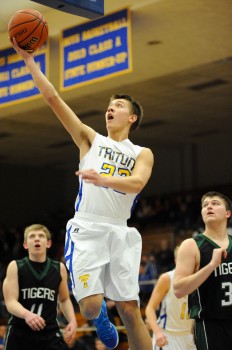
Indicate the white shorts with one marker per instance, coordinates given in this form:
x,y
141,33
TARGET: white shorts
x,y
176,342
103,257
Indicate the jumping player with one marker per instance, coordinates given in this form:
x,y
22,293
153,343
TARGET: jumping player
x,y
102,253
204,271
32,288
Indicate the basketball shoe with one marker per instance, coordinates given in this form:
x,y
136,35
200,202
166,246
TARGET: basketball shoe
x,y
106,331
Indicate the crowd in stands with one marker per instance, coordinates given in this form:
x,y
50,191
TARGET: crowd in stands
x,y
181,212
151,266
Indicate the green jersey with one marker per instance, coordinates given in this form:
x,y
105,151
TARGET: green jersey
x,y
213,299
38,290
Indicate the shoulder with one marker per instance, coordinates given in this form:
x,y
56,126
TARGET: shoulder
x,y
171,274
12,264
188,250
147,152
165,280
199,237
63,270
101,138
188,257
21,262
188,243
12,268
146,155
54,264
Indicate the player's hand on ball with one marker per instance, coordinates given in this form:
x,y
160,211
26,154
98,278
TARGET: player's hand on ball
x,y
25,54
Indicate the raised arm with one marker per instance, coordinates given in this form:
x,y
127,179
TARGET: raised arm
x,y
82,134
188,276
161,289
66,305
11,295
129,184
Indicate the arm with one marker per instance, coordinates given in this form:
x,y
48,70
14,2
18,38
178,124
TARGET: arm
x,y
66,305
161,289
11,295
82,134
129,184
188,277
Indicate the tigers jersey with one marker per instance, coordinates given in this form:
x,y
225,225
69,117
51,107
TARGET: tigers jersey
x,y
213,299
173,316
108,158
38,290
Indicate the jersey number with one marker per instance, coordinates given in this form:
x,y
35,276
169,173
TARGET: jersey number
x,y
228,293
39,311
109,170
184,312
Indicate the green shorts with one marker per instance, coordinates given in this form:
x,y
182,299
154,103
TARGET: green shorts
x,y
213,335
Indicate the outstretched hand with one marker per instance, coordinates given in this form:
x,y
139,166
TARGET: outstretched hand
x,y
20,51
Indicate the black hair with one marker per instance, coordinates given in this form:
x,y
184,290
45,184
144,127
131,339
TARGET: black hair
x,y
136,108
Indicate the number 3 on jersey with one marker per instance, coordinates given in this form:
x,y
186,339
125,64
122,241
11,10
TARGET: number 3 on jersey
x,y
227,286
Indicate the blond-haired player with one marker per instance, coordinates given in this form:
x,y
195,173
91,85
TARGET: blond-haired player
x,y
33,288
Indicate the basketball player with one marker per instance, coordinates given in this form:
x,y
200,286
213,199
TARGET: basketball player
x,y
173,329
102,253
31,289
204,271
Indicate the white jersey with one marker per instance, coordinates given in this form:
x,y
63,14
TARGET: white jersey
x,y
174,315
108,158
174,320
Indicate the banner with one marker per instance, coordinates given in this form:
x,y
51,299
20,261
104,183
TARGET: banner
x,y
16,84
96,50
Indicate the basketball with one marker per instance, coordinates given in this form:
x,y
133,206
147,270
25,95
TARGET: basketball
x,y
30,29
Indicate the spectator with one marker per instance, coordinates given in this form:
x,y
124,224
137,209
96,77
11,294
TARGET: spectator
x,y
144,286
152,267
165,257
2,336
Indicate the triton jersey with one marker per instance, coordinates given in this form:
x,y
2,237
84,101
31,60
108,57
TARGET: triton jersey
x,y
173,316
108,158
213,299
38,291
